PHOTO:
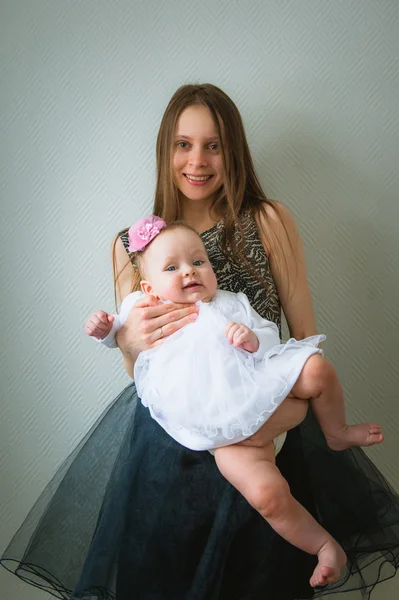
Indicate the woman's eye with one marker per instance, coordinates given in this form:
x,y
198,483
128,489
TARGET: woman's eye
x,y
214,147
182,144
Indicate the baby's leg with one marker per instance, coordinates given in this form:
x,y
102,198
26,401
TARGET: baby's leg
x,y
253,473
318,381
288,415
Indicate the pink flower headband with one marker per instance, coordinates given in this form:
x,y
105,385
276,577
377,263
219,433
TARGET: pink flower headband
x,y
143,232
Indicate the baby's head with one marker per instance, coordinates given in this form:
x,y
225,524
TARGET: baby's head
x,y
172,261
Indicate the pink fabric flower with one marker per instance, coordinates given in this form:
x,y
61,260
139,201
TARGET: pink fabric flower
x,y
142,232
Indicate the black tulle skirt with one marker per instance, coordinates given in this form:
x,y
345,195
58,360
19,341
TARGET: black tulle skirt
x,y
133,515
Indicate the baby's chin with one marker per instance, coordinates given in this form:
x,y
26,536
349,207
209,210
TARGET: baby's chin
x,y
202,295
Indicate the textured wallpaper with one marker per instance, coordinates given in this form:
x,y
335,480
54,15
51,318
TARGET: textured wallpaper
x,y
83,88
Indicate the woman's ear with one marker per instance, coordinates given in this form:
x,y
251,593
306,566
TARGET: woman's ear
x,y
147,289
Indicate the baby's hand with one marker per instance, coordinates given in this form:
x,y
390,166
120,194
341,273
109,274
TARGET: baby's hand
x,y
99,324
242,336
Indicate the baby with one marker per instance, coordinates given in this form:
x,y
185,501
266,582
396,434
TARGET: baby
x,y
214,383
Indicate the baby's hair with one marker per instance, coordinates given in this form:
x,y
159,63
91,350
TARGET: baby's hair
x,y
137,258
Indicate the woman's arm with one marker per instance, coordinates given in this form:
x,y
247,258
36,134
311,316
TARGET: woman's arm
x,y
124,267
284,247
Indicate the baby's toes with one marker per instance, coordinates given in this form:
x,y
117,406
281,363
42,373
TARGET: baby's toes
x,y
376,438
374,428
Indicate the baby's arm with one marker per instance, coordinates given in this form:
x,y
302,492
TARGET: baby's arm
x,y
103,326
99,324
266,331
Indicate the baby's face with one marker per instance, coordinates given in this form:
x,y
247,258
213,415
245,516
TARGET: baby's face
x,y
177,267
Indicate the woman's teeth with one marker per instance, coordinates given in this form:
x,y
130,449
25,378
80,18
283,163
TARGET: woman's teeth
x,y
203,178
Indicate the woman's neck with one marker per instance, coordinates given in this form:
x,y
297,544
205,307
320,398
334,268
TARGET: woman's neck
x,y
199,216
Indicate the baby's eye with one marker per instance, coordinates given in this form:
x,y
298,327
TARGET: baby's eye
x,y
198,263
170,268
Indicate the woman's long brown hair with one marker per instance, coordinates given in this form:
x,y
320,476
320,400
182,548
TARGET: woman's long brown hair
x,y
241,191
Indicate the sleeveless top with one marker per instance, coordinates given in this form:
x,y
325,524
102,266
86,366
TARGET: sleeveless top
x,y
234,277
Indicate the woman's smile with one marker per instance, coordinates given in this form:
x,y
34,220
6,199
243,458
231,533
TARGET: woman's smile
x,y
196,179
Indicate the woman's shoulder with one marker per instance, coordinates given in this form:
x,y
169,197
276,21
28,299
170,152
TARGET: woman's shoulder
x,y
121,247
122,266
270,216
124,239
272,212
274,222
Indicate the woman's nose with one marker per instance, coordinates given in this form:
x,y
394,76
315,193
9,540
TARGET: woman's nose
x,y
197,157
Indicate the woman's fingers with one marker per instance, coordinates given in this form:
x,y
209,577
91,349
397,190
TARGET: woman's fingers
x,y
167,320
142,329
152,308
159,320
182,320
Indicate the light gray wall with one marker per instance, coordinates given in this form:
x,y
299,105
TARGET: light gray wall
x,y
83,88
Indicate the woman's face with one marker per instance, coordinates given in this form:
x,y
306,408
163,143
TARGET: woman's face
x,y
197,159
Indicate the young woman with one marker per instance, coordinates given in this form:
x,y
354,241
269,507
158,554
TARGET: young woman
x,y
135,514
214,383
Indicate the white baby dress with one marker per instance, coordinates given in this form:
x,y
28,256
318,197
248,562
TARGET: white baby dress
x,y
204,392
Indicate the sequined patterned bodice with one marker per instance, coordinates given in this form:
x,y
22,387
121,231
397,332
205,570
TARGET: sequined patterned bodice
x,y
236,278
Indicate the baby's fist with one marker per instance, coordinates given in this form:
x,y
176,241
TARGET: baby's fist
x,y
99,324
242,336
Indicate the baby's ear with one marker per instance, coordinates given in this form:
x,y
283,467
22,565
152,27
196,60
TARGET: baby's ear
x,y
147,289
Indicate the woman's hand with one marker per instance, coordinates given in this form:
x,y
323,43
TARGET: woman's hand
x,y
149,323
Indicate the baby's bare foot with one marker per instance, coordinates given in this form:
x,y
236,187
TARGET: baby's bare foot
x,y
364,434
331,560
